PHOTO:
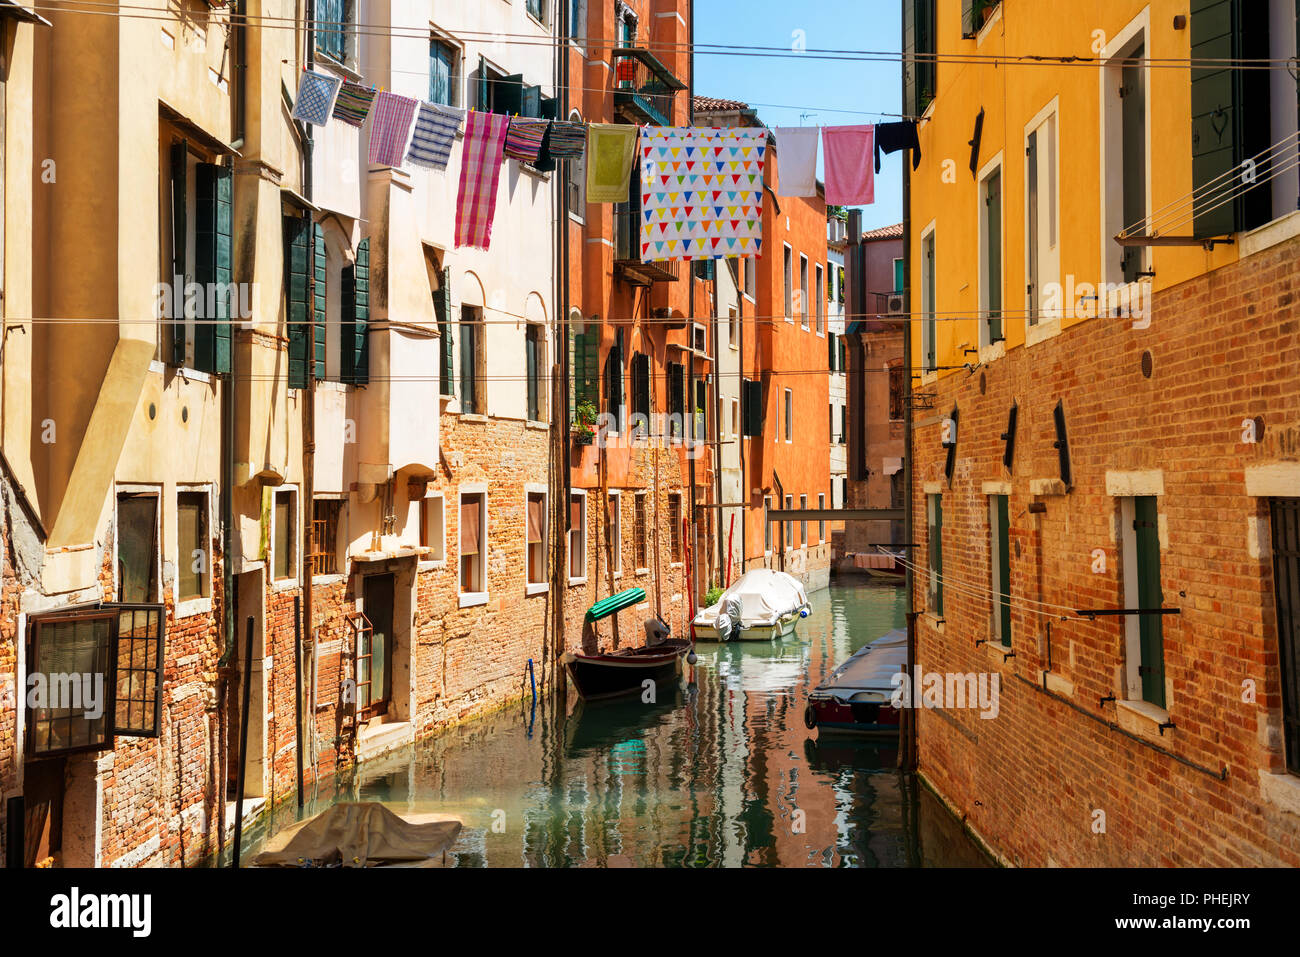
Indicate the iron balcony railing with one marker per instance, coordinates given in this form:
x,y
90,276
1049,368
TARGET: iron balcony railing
x,y
644,89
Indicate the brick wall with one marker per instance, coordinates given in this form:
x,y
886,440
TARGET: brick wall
x,y
1224,347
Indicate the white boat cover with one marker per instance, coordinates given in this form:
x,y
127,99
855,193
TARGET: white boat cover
x,y
871,669
765,596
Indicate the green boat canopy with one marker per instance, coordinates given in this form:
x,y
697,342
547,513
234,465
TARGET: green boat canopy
x,y
615,603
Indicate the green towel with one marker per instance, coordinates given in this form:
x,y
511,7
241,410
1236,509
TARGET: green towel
x,y
611,148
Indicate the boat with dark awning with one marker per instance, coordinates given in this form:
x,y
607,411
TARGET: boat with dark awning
x,y
626,670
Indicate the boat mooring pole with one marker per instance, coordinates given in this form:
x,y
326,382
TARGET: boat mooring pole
x,y
243,741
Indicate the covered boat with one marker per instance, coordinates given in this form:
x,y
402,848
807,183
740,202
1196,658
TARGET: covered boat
x,y
857,696
626,671
362,834
762,604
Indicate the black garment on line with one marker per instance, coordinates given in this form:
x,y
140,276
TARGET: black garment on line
x,y
892,137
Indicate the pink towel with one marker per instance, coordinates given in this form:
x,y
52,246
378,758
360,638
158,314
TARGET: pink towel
x,y
847,152
480,170
390,127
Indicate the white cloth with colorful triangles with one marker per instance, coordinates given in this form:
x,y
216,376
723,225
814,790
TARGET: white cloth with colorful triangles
x,y
701,192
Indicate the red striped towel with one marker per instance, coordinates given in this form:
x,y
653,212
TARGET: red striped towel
x,y
390,127
480,171
524,141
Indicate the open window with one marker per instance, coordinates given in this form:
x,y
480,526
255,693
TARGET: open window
x,y
990,235
1042,245
1143,633
95,672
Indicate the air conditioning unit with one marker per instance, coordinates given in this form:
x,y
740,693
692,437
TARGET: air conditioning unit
x,y
895,305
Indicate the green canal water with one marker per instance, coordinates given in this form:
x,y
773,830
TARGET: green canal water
x,y
719,772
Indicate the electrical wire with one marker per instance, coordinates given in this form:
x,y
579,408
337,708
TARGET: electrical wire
x,y
974,591
89,7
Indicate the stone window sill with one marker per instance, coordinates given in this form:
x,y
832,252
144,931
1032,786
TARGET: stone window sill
x,y
284,584
1281,791
1141,717
433,565
473,599
574,582
536,588
191,607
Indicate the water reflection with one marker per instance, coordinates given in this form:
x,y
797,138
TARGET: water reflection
x,y
719,771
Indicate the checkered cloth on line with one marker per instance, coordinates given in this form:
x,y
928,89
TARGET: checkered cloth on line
x,y
316,92
390,128
480,172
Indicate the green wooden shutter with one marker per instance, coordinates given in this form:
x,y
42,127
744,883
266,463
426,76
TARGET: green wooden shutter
x,y
993,241
468,369
909,67
297,255
936,555
830,350
1150,627
677,397
212,266
354,349
1216,115
968,27
179,162
584,359
318,308
484,86
531,370
447,356
531,101
509,97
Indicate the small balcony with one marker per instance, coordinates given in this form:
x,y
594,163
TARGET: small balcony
x,y
627,247
643,87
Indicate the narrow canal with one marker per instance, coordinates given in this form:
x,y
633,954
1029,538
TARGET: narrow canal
x,y
718,773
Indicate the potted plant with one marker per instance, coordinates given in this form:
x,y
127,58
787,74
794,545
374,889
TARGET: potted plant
x,y
584,423
983,11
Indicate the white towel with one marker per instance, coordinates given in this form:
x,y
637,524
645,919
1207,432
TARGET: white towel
x,y
796,147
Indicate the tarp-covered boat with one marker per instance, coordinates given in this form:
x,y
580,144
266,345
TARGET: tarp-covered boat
x,y
857,696
761,605
362,834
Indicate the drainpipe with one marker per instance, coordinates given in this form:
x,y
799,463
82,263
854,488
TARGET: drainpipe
x,y
717,422
559,390
908,522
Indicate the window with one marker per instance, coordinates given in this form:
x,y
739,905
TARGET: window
x,y
676,399
335,21
804,302
821,525
577,19
898,275
534,8
928,346
896,382
751,277
789,415
535,537
534,363
444,73
803,524
934,524
767,524
1284,515
641,394
196,235
844,425
616,532
614,395
990,253
735,418
831,419
577,537
789,285
433,526
675,526
640,544
1000,566
576,178
440,283
137,547
787,540
473,546
284,558
821,300
473,398
102,671
751,397
510,95
193,547
1143,634
325,536
584,364
733,328
1041,249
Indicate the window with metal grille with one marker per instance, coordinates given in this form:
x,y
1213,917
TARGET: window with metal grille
x,y
675,526
639,543
95,672
325,536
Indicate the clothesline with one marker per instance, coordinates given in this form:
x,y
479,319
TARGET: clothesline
x,y
701,187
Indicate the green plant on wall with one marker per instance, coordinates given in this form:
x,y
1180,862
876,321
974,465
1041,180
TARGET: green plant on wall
x,y
584,423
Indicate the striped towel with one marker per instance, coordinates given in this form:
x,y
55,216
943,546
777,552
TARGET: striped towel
x,y
524,141
435,130
390,128
568,140
353,103
480,171
316,92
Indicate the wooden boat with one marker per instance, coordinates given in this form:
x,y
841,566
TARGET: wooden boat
x,y
883,565
761,605
857,697
624,672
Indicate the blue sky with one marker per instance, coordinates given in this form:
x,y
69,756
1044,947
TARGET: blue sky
x,y
836,92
